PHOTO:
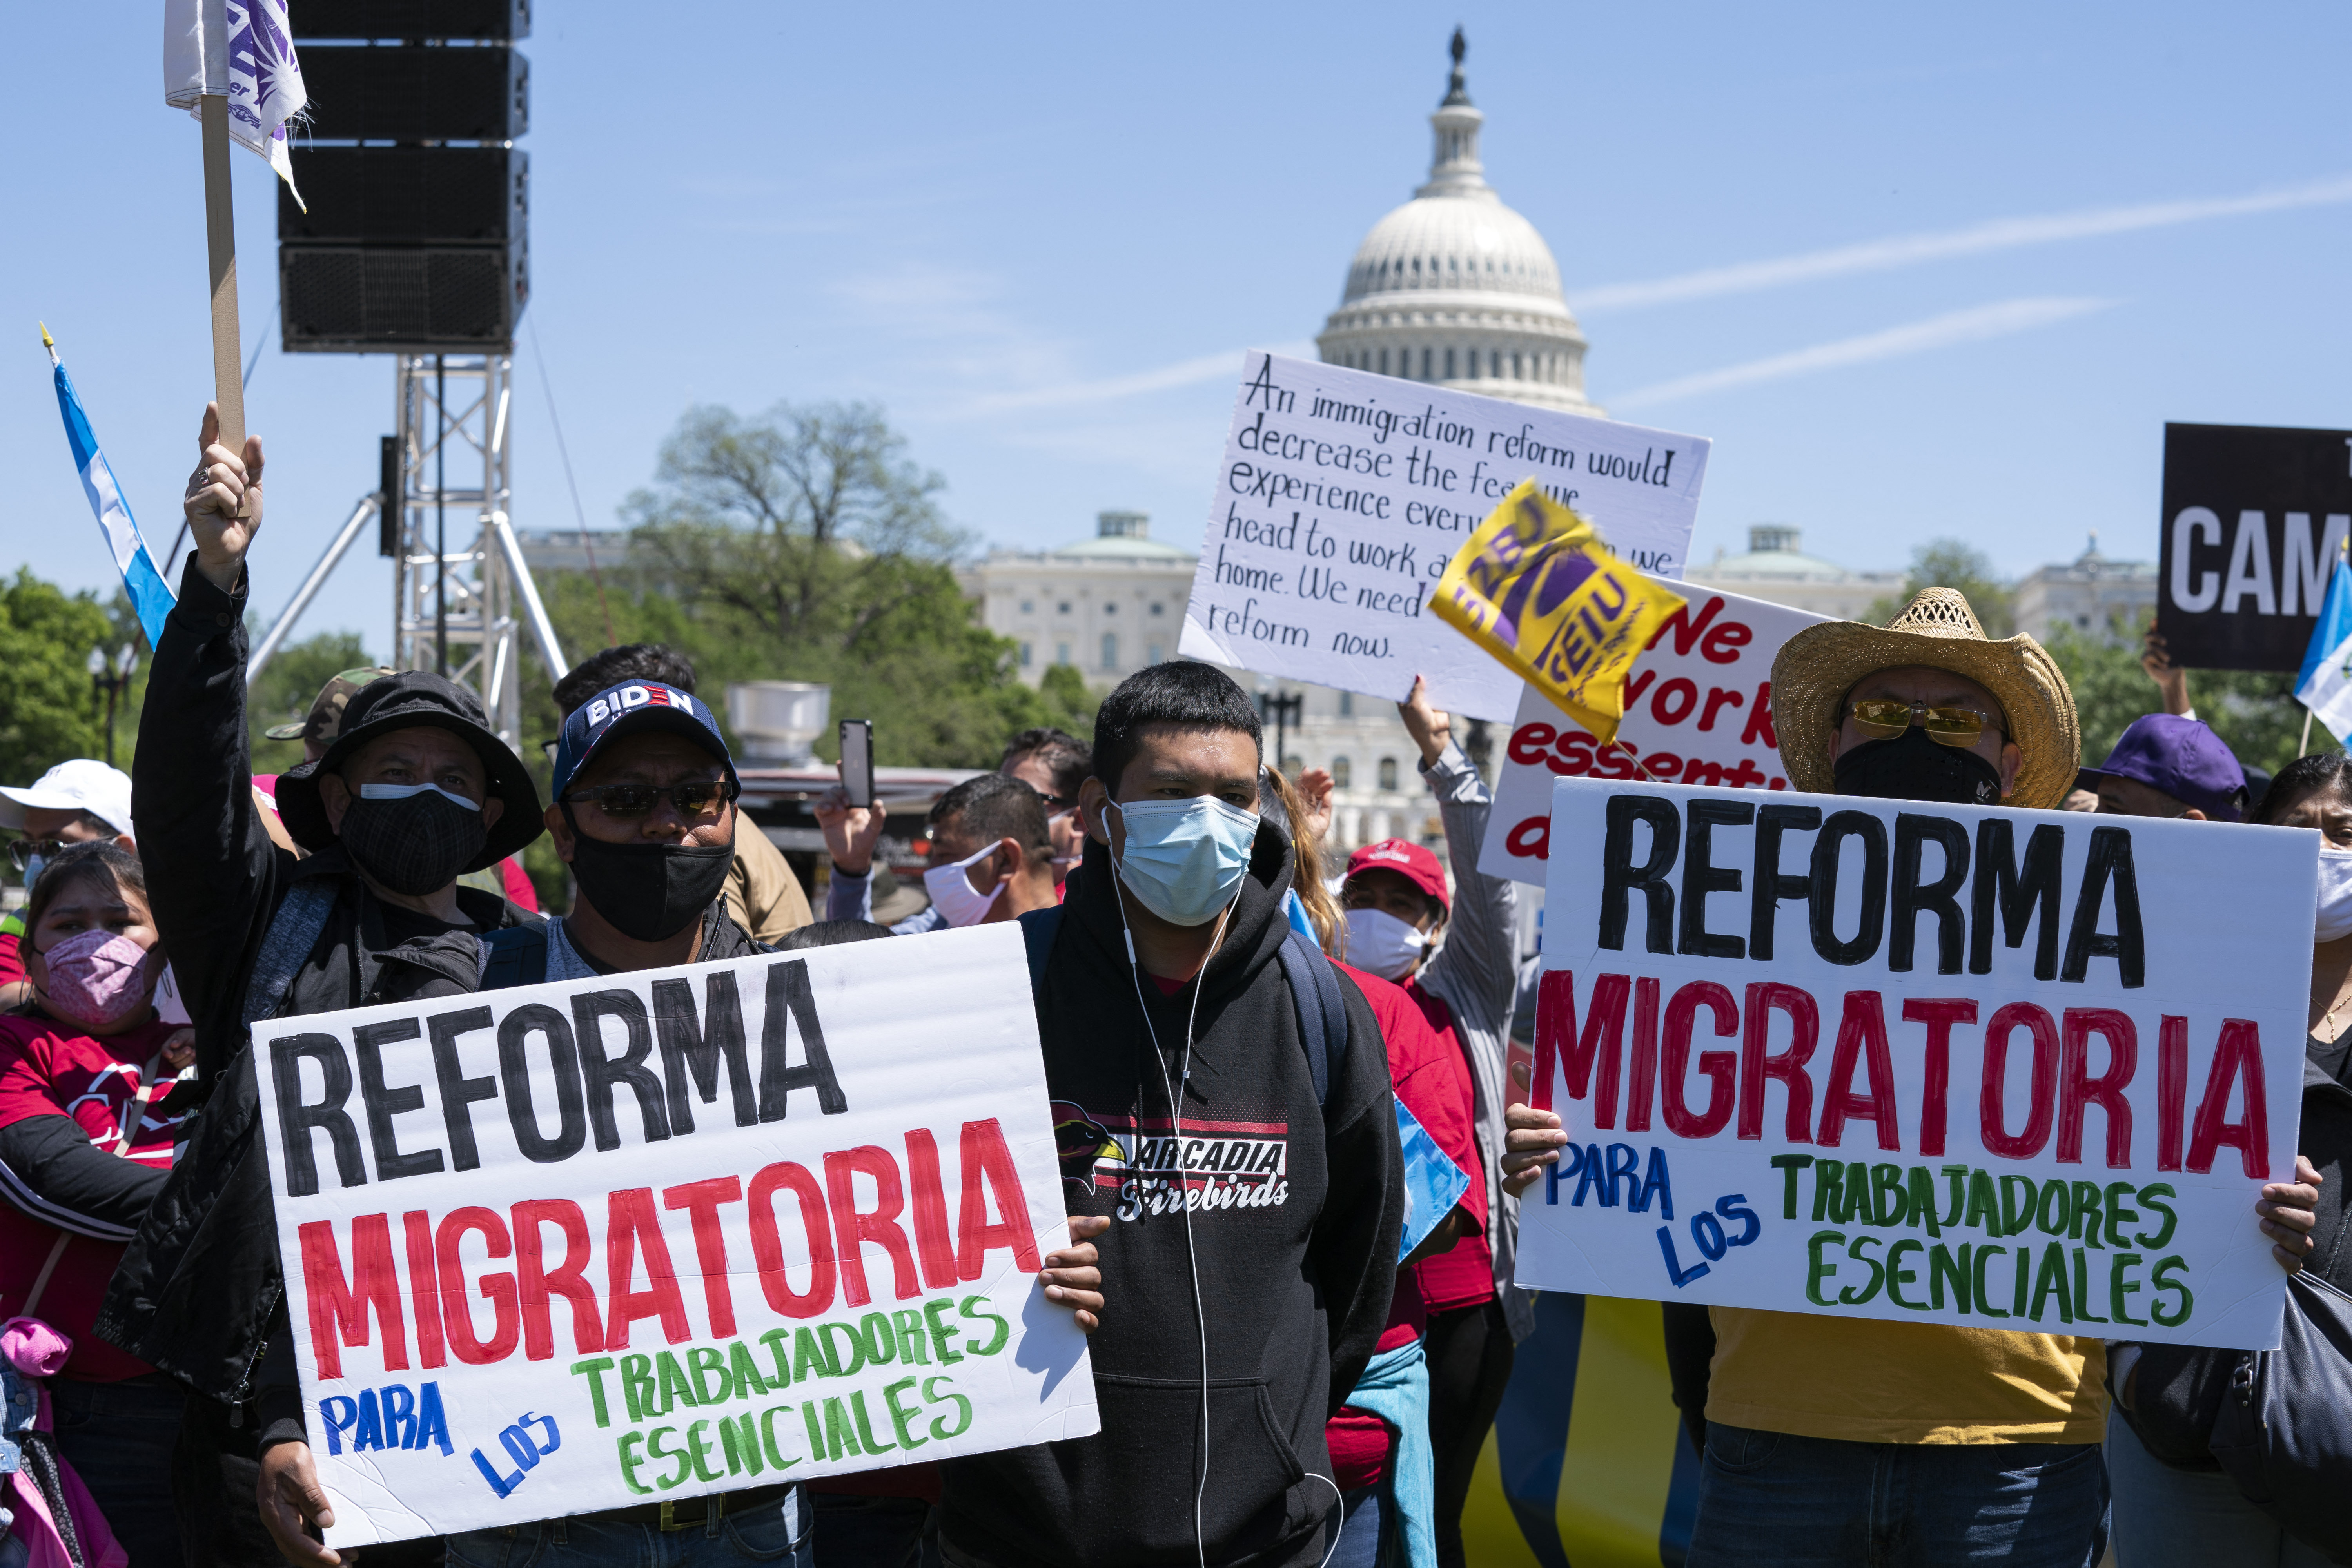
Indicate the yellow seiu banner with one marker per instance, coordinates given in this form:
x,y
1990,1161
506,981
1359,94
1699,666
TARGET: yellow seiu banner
x,y
1537,587
1586,1465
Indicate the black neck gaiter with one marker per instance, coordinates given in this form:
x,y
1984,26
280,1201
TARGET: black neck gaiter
x,y
1913,767
648,891
415,845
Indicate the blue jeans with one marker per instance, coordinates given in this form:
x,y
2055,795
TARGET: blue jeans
x,y
776,1533
1359,1539
1769,1500
2166,1518
119,1438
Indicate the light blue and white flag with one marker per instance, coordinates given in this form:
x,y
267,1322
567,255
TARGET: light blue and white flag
x,y
241,51
149,596
2325,684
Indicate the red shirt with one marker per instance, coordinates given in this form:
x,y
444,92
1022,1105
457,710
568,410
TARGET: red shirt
x,y
12,962
1432,1079
1466,1275
49,1069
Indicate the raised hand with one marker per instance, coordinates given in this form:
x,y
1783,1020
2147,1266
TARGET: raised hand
x,y
850,831
1430,728
224,502
1315,787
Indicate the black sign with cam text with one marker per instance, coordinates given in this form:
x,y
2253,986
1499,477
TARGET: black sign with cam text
x,y
2254,520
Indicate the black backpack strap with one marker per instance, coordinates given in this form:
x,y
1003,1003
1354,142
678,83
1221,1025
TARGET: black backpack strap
x,y
1038,929
1322,1011
517,957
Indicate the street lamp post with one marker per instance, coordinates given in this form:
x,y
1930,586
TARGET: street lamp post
x,y
1282,713
113,678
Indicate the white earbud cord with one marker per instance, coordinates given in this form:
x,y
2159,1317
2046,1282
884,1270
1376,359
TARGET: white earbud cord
x,y
1191,1256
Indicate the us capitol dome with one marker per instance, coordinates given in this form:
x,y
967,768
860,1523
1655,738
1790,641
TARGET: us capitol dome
x,y
1456,289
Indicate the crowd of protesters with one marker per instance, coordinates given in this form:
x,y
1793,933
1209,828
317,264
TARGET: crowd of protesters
x,y
1276,1385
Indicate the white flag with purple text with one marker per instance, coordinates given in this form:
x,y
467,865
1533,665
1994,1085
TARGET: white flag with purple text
x,y
250,62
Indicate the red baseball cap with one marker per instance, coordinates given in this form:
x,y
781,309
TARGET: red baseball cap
x,y
1411,861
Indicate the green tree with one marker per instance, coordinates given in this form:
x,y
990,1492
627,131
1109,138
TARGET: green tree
x,y
802,545
2254,712
46,713
1955,564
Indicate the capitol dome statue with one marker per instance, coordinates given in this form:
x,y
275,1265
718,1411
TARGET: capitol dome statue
x,y
1456,288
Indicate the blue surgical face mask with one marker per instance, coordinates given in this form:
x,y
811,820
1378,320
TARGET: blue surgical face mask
x,y
1185,859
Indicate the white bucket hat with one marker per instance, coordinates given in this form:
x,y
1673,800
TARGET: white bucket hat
x,y
81,785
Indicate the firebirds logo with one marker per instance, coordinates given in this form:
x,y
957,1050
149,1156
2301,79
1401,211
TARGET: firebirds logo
x,y
1155,1168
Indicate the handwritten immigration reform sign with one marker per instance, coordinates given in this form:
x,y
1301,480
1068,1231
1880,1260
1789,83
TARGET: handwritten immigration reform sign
x,y
1698,709
1927,1063
1341,496
658,1235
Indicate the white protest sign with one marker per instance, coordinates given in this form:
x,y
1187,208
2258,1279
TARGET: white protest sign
x,y
658,1235
1932,1064
1698,709
1342,494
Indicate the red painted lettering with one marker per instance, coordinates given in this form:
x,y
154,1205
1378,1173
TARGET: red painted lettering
x,y
988,1173
631,1223
1529,743
2077,1089
1718,1068
701,1199
2044,1089
1764,999
1940,1013
498,1290
1603,1038
1861,1041
933,1245
1758,732
535,1283
1530,839
1645,1086
2171,1089
2237,1059
424,1297
881,1227
338,1309
1723,644
767,1247
1674,701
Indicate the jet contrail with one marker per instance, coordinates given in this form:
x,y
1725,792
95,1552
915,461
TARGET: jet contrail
x,y
1918,337
1906,250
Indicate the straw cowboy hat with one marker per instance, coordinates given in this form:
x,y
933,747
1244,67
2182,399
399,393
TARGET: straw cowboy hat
x,y
1820,664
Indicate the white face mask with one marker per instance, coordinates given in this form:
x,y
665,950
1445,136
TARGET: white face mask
x,y
1380,943
404,792
950,889
2335,893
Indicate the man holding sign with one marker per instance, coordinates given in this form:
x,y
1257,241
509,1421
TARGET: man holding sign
x,y
1868,1437
645,814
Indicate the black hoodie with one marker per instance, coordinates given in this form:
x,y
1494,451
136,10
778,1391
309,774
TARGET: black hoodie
x,y
1296,1250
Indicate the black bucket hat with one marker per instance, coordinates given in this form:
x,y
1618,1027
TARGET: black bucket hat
x,y
404,701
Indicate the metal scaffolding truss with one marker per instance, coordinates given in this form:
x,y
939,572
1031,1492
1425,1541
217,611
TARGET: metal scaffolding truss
x,y
460,611
454,609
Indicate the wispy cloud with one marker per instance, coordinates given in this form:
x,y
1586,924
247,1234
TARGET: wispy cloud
x,y
1919,337
1226,365
1910,250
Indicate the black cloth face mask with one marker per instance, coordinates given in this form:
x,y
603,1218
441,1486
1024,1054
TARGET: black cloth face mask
x,y
414,844
645,890
1913,767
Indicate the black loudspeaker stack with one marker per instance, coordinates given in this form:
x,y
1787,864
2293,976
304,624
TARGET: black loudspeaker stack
x,y
417,239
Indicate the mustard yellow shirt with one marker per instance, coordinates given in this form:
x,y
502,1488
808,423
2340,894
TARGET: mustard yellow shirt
x,y
1863,1380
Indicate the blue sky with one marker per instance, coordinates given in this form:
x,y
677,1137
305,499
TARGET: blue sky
x,y
2001,247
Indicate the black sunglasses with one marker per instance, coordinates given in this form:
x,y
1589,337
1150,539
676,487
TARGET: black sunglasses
x,y
21,850
698,797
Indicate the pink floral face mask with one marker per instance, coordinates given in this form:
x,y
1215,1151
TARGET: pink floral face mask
x,y
96,978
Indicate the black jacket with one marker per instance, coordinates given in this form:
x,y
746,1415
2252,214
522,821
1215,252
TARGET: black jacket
x,y
1295,1276
198,1289
2176,1390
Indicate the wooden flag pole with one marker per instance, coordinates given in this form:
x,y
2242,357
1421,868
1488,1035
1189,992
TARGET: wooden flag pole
x,y
220,236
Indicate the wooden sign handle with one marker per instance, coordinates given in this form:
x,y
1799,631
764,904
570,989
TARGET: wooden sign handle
x,y
220,236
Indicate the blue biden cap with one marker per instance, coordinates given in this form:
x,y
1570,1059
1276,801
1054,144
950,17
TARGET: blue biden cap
x,y
632,708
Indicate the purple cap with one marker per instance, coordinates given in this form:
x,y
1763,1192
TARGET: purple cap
x,y
2183,758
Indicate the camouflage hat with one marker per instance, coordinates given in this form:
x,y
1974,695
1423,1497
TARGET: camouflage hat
x,y
325,716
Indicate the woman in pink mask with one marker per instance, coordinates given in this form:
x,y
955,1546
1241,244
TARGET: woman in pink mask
x,y
87,1113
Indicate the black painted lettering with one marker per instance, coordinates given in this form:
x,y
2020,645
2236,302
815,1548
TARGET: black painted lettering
x,y
693,1052
1910,898
1619,876
1702,876
296,1119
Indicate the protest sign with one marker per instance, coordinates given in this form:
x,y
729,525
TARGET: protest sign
x,y
2253,521
1698,709
1536,588
1341,495
1925,1063
658,1235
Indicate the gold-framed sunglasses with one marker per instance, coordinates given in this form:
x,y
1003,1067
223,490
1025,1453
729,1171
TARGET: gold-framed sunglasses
x,y
698,797
1885,718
